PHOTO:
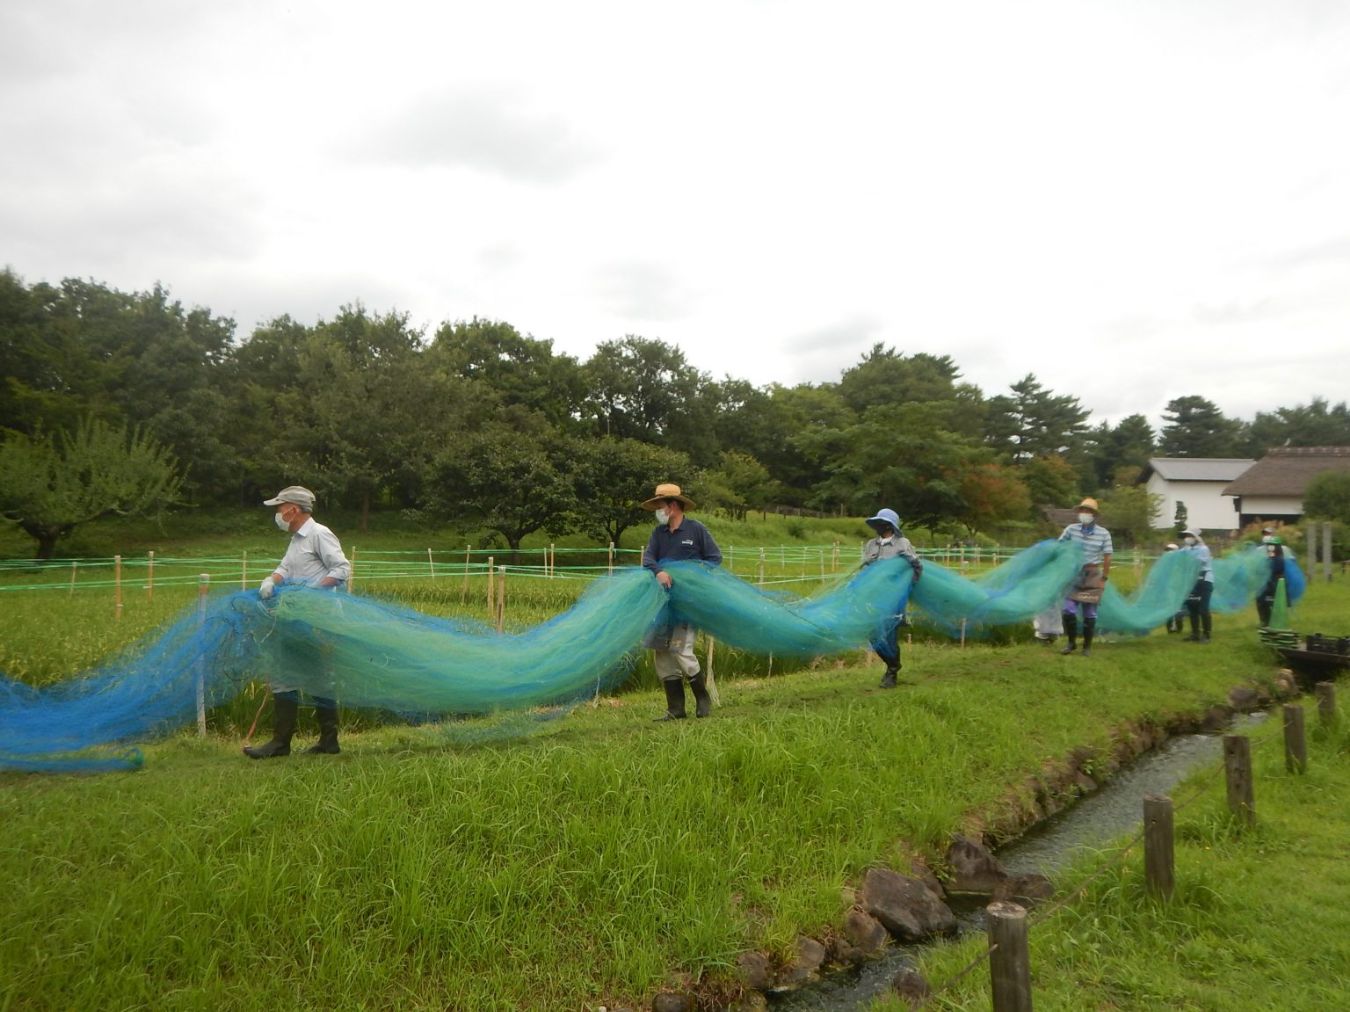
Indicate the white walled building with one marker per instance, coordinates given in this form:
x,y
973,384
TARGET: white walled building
x,y
1200,483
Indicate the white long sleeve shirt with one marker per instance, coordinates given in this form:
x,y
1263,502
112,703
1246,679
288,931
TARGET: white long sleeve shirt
x,y
313,555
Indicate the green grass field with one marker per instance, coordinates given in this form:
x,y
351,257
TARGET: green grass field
x,y
478,866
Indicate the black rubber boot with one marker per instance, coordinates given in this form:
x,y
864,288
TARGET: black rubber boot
x,y
888,679
328,732
702,701
283,727
1089,628
1207,623
674,700
1194,637
1071,631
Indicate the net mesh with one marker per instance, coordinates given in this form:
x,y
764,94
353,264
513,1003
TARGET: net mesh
x,y
371,653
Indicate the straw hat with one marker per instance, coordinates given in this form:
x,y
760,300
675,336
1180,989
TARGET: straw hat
x,y
665,491
1089,504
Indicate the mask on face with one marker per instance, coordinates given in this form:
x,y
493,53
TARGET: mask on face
x,y
281,522
1190,541
663,516
1270,551
1086,519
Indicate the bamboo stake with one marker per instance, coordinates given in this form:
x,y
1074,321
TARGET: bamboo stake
x,y
150,578
551,560
203,588
431,565
117,587
709,681
243,571
351,580
611,558
761,567
491,589
74,569
464,591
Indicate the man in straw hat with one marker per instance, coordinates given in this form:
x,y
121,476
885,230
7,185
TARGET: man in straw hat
x,y
1086,593
675,539
313,559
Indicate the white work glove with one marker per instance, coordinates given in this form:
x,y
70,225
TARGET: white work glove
x,y
267,589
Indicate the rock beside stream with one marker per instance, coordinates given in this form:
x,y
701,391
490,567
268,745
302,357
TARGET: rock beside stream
x,y
909,909
977,872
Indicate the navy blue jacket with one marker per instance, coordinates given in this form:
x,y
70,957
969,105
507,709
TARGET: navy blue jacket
x,y
691,541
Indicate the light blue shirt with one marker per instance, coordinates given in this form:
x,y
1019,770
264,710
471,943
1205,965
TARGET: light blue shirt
x,y
1201,551
314,553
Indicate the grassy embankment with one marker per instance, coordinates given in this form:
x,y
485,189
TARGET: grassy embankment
x,y
573,868
1260,918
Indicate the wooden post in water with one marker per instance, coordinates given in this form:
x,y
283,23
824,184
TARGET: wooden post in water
x,y
431,565
150,577
1159,858
203,588
1009,958
1326,703
1295,744
117,587
1237,764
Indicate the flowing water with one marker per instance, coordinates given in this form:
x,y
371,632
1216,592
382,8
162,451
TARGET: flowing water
x,y
1106,815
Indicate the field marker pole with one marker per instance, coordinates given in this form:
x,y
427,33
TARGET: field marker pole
x,y
491,596
150,578
117,587
611,558
74,569
1159,854
243,571
203,587
464,591
1009,957
501,598
351,580
431,565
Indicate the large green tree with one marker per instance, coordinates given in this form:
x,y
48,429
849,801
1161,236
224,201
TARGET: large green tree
x,y
1033,422
49,484
612,476
1195,427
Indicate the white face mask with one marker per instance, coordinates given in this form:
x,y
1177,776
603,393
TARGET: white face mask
x,y
663,516
281,522
887,539
1086,519
1190,541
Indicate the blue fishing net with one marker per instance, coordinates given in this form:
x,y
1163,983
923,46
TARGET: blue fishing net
x,y
369,653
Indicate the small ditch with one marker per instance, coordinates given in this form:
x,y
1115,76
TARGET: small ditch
x,y
1095,820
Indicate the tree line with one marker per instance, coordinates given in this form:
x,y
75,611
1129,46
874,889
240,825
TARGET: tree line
x,y
479,423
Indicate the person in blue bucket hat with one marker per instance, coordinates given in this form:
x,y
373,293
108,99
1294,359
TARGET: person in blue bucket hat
x,y
888,544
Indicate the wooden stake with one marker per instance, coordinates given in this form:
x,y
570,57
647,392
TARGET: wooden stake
x,y
243,571
611,558
1009,960
712,685
203,588
501,598
761,567
551,560
491,588
74,569
117,587
1237,763
464,591
150,577
431,565
351,581
963,634
1295,745
1326,703
1159,856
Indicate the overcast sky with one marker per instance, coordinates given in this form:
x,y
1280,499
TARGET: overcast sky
x,y
1135,199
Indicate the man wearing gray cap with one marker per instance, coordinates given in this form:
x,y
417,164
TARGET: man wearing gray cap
x,y
313,559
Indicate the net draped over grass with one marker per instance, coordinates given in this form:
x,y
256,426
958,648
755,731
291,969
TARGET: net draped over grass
x,y
370,653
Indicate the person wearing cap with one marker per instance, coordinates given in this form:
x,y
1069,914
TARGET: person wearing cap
x,y
890,544
313,558
1086,593
677,538
1265,598
1176,622
1198,602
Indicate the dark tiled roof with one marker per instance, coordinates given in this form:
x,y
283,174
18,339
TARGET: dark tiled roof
x,y
1197,468
1060,517
1287,470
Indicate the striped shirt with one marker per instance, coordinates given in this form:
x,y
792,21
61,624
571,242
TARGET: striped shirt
x,y
1095,541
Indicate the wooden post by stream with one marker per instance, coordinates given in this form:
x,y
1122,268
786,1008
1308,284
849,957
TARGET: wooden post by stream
x,y
1237,764
1326,703
1159,859
1295,745
1009,959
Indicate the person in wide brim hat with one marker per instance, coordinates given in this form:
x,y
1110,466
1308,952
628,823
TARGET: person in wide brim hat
x,y
1086,592
677,538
